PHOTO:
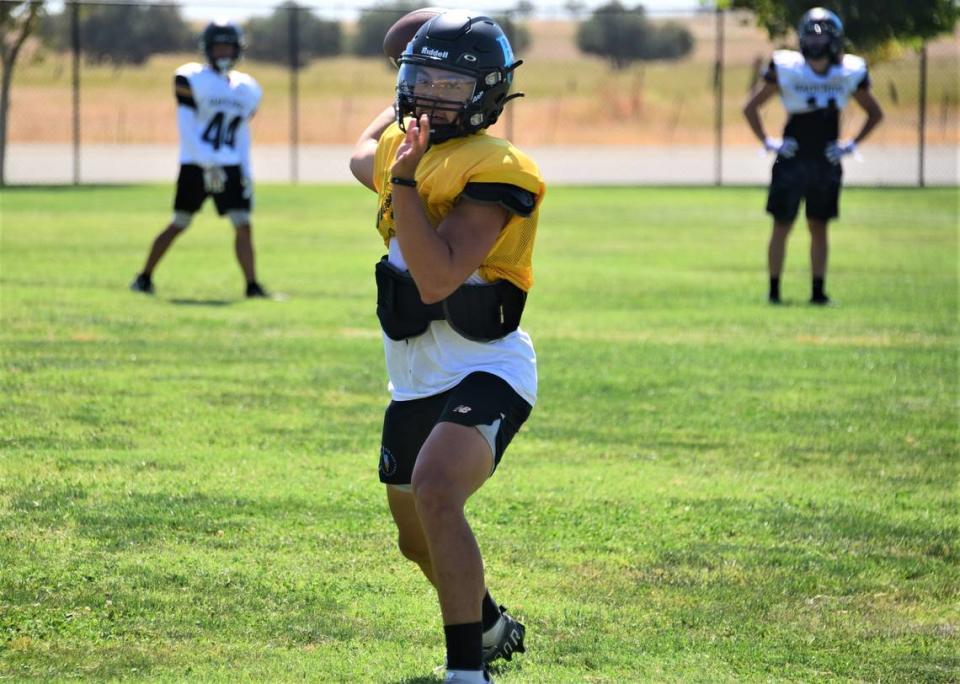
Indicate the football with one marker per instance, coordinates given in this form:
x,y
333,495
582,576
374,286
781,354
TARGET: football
x,y
404,29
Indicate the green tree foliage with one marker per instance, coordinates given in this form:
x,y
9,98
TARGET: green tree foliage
x,y
122,34
624,35
868,24
375,22
268,38
517,33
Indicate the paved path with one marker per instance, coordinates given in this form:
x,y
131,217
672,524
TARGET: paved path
x,y
574,165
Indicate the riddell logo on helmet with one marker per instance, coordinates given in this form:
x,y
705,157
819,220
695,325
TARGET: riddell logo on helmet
x,y
430,52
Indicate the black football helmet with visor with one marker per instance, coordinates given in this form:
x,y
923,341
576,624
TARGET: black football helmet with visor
x,y
226,33
821,35
458,70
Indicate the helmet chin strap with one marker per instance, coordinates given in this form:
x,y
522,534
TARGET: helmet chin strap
x,y
224,64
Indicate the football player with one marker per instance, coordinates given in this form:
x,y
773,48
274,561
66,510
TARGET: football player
x,y
214,108
458,212
815,84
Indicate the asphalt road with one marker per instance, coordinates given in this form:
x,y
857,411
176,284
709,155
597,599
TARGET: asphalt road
x,y
569,165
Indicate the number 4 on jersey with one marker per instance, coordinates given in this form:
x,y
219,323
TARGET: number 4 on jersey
x,y
217,135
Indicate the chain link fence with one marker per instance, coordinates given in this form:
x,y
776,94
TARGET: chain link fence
x,y
79,116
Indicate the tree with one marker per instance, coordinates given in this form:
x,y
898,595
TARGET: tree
x,y
269,37
122,34
524,9
373,24
624,35
517,34
17,21
868,24
575,8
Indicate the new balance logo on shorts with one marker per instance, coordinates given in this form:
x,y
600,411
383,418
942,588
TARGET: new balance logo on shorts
x,y
462,409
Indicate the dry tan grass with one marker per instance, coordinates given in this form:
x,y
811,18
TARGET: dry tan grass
x,y
572,99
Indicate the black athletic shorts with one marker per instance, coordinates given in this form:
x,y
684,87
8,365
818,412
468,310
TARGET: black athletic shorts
x,y
191,193
480,400
815,180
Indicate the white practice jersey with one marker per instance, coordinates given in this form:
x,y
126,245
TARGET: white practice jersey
x,y
813,101
804,90
222,106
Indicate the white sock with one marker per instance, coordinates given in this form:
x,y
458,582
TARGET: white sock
x,y
468,676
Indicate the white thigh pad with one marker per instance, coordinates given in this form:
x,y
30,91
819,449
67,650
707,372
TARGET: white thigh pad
x,y
239,217
181,219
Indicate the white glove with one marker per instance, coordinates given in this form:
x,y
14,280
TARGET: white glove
x,y
214,179
785,148
837,150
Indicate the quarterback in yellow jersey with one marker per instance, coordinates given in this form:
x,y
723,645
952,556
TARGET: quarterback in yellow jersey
x,y
458,213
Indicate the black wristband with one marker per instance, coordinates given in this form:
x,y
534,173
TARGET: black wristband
x,y
410,183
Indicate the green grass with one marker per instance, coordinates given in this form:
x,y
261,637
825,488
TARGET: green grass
x,y
709,489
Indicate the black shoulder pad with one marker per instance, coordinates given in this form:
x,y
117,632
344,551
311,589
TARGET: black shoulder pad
x,y
183,92
511,197
770,73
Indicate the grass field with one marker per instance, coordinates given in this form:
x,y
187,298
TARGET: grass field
x,y
709,489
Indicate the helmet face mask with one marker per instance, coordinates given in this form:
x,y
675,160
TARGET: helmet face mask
x,y
821,35
440,93
458,69
222,33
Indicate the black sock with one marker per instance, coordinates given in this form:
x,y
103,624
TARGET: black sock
x,y
774,287
464,646
491,613
818,288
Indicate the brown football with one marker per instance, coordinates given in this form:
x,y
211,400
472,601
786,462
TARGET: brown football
x,y
404,29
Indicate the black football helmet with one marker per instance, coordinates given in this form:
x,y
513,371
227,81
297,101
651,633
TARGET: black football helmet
x,y
227,33
458,68
821,35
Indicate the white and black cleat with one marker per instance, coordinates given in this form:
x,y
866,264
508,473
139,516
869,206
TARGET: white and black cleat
x,y
503,639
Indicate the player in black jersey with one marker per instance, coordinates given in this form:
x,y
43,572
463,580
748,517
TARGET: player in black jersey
x,y
814,84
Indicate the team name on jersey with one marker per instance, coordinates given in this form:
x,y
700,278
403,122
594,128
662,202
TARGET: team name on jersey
x,y
804,90
224,102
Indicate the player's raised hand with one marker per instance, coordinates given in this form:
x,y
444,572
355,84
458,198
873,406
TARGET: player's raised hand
x,y
413,147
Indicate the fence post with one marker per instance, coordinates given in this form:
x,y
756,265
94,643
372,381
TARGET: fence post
x,y
718,100
294,43
75,44
922,115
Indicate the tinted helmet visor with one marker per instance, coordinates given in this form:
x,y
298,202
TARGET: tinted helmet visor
x,y
432,89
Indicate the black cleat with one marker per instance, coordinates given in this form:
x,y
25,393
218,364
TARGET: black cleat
x,y
820,300
142,283
254,290
774,299
506,638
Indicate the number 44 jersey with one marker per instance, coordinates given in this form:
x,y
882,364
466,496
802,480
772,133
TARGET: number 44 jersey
x,y
214,111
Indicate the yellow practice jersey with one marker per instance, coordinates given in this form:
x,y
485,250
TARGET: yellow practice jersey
x,y
444,172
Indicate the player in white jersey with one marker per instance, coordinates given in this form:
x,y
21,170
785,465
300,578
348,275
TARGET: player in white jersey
x,y
214,108
815,84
